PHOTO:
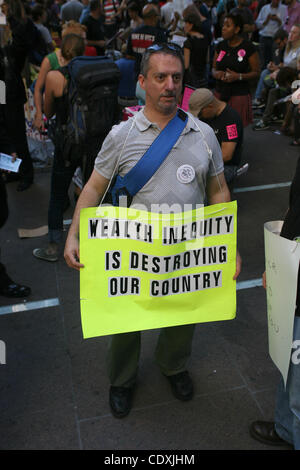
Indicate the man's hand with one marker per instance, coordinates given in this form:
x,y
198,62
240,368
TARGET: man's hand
x,y
276,18
231,76
264,280
38,122
71,253
89,197
238,266
13,159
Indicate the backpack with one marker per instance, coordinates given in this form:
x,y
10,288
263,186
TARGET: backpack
x,y
91,106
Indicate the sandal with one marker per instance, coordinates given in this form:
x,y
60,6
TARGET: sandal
x,y
15,290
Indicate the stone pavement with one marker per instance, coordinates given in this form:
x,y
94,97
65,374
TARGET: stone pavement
x,y
53,386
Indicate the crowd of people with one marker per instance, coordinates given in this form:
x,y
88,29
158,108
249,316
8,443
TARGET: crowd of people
x,y
239,59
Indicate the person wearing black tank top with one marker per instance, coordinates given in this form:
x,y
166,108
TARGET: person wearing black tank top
x,y
54,103
195,51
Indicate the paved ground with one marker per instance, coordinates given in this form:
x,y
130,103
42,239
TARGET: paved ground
x,y
53,387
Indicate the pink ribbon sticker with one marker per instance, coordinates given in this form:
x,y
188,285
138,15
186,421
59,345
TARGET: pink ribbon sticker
x,y
241,54
220,56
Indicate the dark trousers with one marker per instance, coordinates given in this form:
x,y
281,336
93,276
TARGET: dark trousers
x,y
60,181
4,279
172,353
265,50
274,95
296,123
16,128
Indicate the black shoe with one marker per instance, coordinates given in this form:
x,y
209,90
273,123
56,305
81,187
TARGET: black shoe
x,y
15,290
182,386
264,431
120,400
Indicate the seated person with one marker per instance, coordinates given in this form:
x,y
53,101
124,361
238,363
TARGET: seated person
x,y
265,79
226,123
295,105
285,77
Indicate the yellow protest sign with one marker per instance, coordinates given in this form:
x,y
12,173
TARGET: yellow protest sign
x,y
145,270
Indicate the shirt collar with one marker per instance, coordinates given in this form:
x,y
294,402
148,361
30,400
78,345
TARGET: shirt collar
x,y
142,123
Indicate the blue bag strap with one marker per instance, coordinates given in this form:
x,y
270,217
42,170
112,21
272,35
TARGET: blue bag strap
x,y
145,168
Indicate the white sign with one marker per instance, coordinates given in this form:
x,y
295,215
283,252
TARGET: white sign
x,y
7,163
282,265
2,92
2,352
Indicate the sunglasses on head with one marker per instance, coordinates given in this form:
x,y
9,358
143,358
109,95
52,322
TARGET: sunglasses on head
x,y
165,46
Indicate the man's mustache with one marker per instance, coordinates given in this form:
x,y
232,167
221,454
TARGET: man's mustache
x,y
168,94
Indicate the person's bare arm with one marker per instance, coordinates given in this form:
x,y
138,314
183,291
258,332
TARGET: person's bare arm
x,y
217,74
187,55
38,94
228,150
232,76
90,196
217,190
98,42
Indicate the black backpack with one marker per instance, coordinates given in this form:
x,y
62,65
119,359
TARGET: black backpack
x,y
91,107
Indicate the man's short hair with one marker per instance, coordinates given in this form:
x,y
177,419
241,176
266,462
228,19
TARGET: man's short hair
x,y
281,34
164,48
94,5
37,11
150,11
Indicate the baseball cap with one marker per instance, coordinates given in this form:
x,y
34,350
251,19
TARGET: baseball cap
x,y
199,99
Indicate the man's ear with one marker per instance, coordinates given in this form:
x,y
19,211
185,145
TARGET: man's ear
x,y
141,80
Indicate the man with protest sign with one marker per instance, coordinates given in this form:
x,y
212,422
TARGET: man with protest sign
x,y
197,151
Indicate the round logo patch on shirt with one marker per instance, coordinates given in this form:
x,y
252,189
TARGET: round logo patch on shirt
x,y
185,174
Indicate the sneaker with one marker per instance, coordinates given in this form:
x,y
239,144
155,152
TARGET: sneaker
x,y
275,119
260,126
257,104
243,169
50,253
